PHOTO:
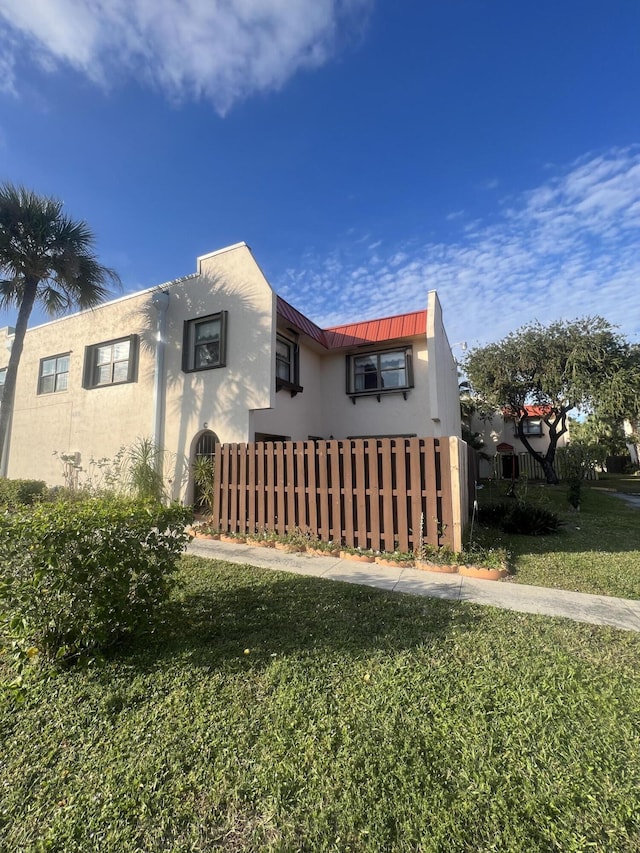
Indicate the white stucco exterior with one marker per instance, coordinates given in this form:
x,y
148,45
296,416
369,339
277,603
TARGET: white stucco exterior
x,y
169,401
501,441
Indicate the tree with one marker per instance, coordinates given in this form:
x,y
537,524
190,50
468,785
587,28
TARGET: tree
x,y
581,364
45,258
603,432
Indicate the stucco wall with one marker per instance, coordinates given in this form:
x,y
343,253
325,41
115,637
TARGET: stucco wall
x,y
300,416
392,415
96,422
221,397
93,422
444,394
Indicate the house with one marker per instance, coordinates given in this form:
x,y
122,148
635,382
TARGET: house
x,y
504,455
631,432
218,356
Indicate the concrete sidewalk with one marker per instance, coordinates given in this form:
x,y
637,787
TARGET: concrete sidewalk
x,y
595,609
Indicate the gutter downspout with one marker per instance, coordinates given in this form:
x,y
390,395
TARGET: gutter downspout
x,y
160,301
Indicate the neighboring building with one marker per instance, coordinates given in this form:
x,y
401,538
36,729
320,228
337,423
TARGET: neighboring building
x,y
507,455
217,356
632,431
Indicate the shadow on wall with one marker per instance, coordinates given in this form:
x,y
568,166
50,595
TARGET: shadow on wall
x,y
220,397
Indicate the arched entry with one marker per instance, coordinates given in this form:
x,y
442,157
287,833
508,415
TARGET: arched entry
x,y
509,462
202,456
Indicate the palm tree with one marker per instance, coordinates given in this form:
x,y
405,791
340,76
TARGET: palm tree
x,y
45,258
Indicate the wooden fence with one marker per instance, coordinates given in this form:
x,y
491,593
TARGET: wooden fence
x,y
367,493
530,467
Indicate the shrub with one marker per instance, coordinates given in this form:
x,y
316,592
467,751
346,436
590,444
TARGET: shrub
x,y
16,493
519,517
78,577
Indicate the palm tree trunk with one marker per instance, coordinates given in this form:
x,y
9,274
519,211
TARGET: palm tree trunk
x,y
9,390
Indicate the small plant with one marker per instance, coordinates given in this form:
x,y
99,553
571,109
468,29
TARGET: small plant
x,y
365,552
295,540
396,556
205,528
476,554
203,469
143,470
262,534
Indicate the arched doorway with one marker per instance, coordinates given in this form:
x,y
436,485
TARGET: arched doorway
x,y
509,462
202,468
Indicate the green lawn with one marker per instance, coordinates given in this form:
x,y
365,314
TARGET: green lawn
x,y
597,551
358,720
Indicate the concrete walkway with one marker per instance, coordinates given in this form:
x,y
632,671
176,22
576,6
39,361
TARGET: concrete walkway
x,y
595,609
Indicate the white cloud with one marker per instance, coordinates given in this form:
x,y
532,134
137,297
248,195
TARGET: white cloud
x,y
566,249
222,50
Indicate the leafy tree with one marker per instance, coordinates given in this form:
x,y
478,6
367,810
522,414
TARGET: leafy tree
x,y
605,433
45,258
472,405
580,364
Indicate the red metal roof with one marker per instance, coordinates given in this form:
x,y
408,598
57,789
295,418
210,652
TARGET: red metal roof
x,y
304,324
355,334
375,331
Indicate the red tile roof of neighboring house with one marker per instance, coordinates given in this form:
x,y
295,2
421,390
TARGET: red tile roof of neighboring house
x,y
354,334
376,331
532,411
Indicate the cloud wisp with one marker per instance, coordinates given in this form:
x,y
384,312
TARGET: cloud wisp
x,y
221,50
568,248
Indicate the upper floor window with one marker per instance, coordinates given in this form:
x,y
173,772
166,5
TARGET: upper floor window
x,y
54,374
205,342
287,365
111,362
532,426
376,372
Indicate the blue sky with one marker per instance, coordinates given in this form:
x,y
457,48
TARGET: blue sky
x,y
366,150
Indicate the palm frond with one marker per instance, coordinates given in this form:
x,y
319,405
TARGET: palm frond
x,y
38,242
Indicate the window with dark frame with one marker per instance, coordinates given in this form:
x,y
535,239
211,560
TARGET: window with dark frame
x,y
532,426
111,362
378,372
204,342
284,359
287,365
54,374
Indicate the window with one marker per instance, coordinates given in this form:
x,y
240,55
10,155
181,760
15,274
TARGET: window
x,y
532,426
54,374
377,372
204,343
111,362
287,365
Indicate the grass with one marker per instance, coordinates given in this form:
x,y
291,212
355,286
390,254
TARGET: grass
x,y
598,549
281,713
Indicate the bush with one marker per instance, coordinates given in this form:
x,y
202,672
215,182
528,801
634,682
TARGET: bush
x,y
16,493
78,577
519,517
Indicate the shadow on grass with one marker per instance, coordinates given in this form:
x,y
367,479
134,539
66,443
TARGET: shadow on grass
x,y
226,608
605,524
